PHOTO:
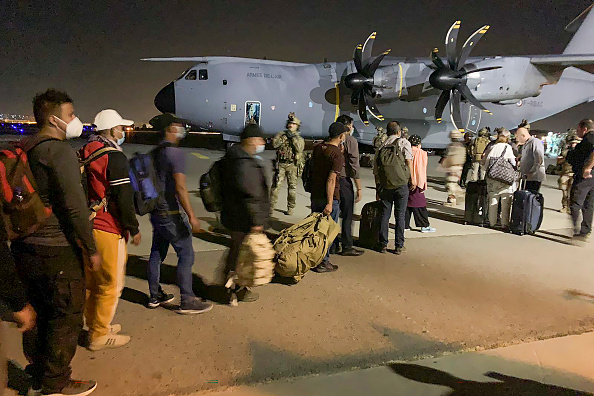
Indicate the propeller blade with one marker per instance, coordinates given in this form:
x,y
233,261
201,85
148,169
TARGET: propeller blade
x,y
465,91
363,108
441,104
355,97
479,70
436,59
455,110
357,58
451,43
373,108
367,48
470,44
369,70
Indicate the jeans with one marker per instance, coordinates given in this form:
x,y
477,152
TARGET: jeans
x,y
347,208
398,198
317,206
582,203
171,230
54,278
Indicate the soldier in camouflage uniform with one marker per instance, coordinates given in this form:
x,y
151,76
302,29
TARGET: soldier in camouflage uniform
x,y
453,162
289,147
566,175
380,138
404,132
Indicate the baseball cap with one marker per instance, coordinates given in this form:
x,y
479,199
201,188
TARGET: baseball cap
x,y
107,119
162,121
337,129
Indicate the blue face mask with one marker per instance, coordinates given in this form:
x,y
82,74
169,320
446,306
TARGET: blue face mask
x,y
121,140
260,149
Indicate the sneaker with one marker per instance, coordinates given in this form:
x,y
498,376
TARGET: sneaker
x,y
194,306
399,250
325,266
161,298
382,249
109,341
244,294
428,229
352,252
115,328
74,388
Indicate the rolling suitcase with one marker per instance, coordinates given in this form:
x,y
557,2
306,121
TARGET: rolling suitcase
x,y
369,229
476,207
527,212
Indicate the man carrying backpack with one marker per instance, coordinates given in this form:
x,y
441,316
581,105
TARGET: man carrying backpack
x,y
108,183
328,162
50,260
392,179
174,220
478,148
246,197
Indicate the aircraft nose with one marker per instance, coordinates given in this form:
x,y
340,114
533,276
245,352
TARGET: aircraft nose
x,y
165,99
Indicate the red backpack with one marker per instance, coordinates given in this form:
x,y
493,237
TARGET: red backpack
x,y
22,209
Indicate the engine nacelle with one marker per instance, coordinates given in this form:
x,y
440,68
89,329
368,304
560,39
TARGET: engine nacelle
x,y
517,79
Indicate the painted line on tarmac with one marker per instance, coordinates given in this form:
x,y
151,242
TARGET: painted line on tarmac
x,y
200,156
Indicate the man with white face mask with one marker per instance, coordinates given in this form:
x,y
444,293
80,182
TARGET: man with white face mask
x,y
246,196
174,220
109,189
50,260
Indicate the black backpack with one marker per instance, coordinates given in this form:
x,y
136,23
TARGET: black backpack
x,y
307,174
210,188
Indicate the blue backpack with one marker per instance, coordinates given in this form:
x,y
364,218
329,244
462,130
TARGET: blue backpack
x,y
144,182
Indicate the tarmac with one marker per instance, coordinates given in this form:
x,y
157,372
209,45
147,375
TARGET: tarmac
x,y
521,301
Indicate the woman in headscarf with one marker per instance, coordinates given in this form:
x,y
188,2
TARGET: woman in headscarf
x,y
417,204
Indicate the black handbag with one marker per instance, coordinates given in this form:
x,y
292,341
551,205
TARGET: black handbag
x,y
502,170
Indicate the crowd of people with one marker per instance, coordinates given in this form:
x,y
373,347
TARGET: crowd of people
x,y
69,272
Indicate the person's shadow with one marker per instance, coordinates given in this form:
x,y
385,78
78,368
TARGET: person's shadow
x,y
506,385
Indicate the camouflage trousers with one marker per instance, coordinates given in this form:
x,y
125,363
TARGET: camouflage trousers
x,y
565,183
453,176
290,172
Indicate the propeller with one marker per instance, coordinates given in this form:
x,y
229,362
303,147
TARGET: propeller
x,y
451,78
361,82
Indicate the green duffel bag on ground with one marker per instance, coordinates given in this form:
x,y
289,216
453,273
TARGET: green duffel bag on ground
x,y
304,245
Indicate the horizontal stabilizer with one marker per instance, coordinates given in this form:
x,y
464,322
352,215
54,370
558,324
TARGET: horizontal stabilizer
x,y
555,64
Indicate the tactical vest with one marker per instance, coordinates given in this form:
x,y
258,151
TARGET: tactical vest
x,y
286,151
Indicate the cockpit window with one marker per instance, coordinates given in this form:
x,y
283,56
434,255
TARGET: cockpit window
x,y
182,75
191,75
203,75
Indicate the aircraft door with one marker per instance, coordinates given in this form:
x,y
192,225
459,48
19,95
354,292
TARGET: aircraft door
x,y
474,119
252,112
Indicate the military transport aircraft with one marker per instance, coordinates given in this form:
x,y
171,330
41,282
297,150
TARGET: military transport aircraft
x,y
224,93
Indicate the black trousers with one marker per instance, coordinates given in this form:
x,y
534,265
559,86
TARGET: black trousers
x,y
533,186
465,169
237,238
582,202
421,217
54,278
347,208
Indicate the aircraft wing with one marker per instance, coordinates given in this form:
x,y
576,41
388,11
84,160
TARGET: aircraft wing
x,y
178,59
555,64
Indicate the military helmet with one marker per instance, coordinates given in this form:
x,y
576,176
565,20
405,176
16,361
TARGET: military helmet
x,y
455,134
483,132
293,119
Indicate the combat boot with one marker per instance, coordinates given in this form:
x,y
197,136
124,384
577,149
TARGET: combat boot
x,y
290,212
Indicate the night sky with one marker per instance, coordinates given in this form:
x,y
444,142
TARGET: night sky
x,y
93,51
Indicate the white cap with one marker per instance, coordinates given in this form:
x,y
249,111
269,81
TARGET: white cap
x,y
108,119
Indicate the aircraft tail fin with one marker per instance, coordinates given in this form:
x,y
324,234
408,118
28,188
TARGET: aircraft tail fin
x,y
583,26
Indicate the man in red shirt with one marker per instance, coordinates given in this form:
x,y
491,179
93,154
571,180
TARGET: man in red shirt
x,y
115,222
328,161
